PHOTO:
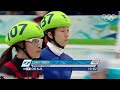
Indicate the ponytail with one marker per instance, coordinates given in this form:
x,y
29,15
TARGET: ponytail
x,y
6,56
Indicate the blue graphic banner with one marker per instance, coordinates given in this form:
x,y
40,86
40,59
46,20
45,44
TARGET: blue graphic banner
x,y
82,65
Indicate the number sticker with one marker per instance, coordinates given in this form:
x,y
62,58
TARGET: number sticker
x,y
63,16
15,28
51,15
23,28
44,20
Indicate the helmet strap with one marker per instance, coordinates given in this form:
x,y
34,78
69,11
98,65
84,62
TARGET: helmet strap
x,y
56,41
24,49
53,35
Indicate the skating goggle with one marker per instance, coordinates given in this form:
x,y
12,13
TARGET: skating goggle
x,y
35,40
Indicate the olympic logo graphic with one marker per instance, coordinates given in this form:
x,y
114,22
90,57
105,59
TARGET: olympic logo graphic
x,y
108,17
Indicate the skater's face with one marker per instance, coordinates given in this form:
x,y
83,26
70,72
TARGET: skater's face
x,y
61,35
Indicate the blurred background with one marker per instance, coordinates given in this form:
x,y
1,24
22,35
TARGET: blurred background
x,y
91,32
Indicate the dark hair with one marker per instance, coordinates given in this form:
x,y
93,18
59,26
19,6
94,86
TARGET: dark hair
x,y
46,38
44,42
6,56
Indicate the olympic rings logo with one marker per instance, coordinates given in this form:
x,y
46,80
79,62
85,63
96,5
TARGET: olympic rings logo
x,y
108,17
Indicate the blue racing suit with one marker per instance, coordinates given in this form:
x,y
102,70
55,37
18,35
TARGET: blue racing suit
x,y
47,54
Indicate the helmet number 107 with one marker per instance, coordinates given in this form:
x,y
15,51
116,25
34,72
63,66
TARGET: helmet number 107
x,y
15,28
